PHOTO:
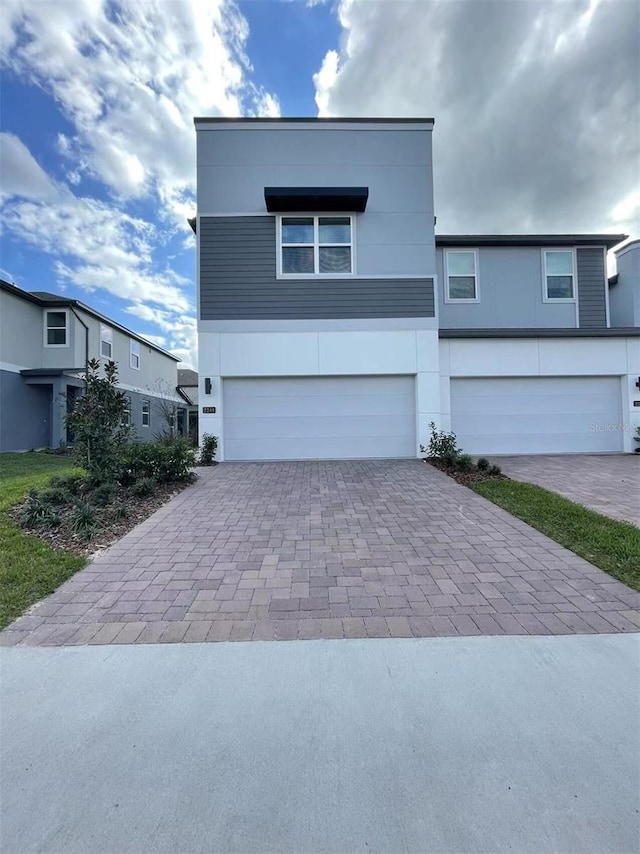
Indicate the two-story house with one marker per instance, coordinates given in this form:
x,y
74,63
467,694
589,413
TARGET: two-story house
x,y
334,323
45,343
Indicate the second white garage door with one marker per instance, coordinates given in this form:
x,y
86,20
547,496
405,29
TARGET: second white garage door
x,y
537,415
294,418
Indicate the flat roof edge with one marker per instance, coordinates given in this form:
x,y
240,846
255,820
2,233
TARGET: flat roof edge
x,y
311,120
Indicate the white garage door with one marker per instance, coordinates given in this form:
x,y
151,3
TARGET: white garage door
x,y
289,418
537,415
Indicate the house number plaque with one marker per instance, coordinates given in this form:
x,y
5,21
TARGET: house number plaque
x,y
208,410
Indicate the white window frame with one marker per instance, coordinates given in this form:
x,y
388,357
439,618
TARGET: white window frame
x,y
134,351
574,278
45,337
476,269
146,411
316,245
106,337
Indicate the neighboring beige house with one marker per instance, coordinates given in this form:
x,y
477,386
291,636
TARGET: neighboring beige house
x,y
45,343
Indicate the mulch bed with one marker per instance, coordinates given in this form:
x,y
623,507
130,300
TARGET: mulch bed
x,y
466,478
110,529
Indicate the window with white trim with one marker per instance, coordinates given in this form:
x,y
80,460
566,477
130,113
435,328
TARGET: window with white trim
x,y
558,274
146,413
106,341
56,329
316,245
461,275
134,354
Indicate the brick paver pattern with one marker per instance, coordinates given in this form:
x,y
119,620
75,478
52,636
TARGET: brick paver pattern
x,y
263,551
606,483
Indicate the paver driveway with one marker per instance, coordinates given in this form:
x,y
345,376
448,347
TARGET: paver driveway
x,y
607,483
328,549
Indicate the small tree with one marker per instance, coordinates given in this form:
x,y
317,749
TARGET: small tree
x,y
167,408
99,423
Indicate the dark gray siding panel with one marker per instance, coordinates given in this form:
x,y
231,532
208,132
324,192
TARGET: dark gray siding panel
x,y
25,414
591,288
238,281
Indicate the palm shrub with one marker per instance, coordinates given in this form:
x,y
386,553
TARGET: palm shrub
x,y
208,450
98,423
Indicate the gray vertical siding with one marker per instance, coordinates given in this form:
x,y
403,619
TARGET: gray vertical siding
x,y
25,414
591,287
238,281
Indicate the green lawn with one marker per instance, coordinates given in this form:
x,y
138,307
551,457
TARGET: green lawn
x,y
29,569
611,545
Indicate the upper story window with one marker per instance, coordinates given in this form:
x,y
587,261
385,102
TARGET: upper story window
x,y
559,275
56,330
316,245
134,355
461,275
106,341
146,413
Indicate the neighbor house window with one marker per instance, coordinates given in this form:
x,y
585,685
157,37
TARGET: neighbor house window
x,y
316,245
56,329
558,274
461,275
146,413
134,355
106,341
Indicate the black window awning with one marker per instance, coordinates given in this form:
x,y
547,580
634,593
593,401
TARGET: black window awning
x,y
312,199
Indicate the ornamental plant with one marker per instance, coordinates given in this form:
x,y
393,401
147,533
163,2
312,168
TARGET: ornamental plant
x,y
99,424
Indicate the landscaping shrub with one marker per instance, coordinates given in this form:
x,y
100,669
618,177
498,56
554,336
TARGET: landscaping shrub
x,y
39,512
98,423
104,494
120,511
463,462
165,461
71,483
143,487
208,450
55,495
83,520
494,471
442,445
483,464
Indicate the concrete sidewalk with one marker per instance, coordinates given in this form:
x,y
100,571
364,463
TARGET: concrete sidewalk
x,y
492,744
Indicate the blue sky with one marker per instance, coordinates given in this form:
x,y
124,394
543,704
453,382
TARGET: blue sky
x,y
536,108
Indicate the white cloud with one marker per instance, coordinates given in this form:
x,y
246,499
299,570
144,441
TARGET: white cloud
x,y
536,104
129,77
21,174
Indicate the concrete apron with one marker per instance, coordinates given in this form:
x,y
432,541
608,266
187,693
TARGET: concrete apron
x,y
519,744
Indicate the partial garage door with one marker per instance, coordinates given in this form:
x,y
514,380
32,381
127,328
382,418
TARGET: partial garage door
x,y
537,415
289,418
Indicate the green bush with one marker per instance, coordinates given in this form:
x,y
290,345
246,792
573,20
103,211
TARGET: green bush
x,y
120,511
165,461
83,520
72,483
99,422
145,486
442,445
39,512
495,471
483,464
208,450
55,495
463,462
104,494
